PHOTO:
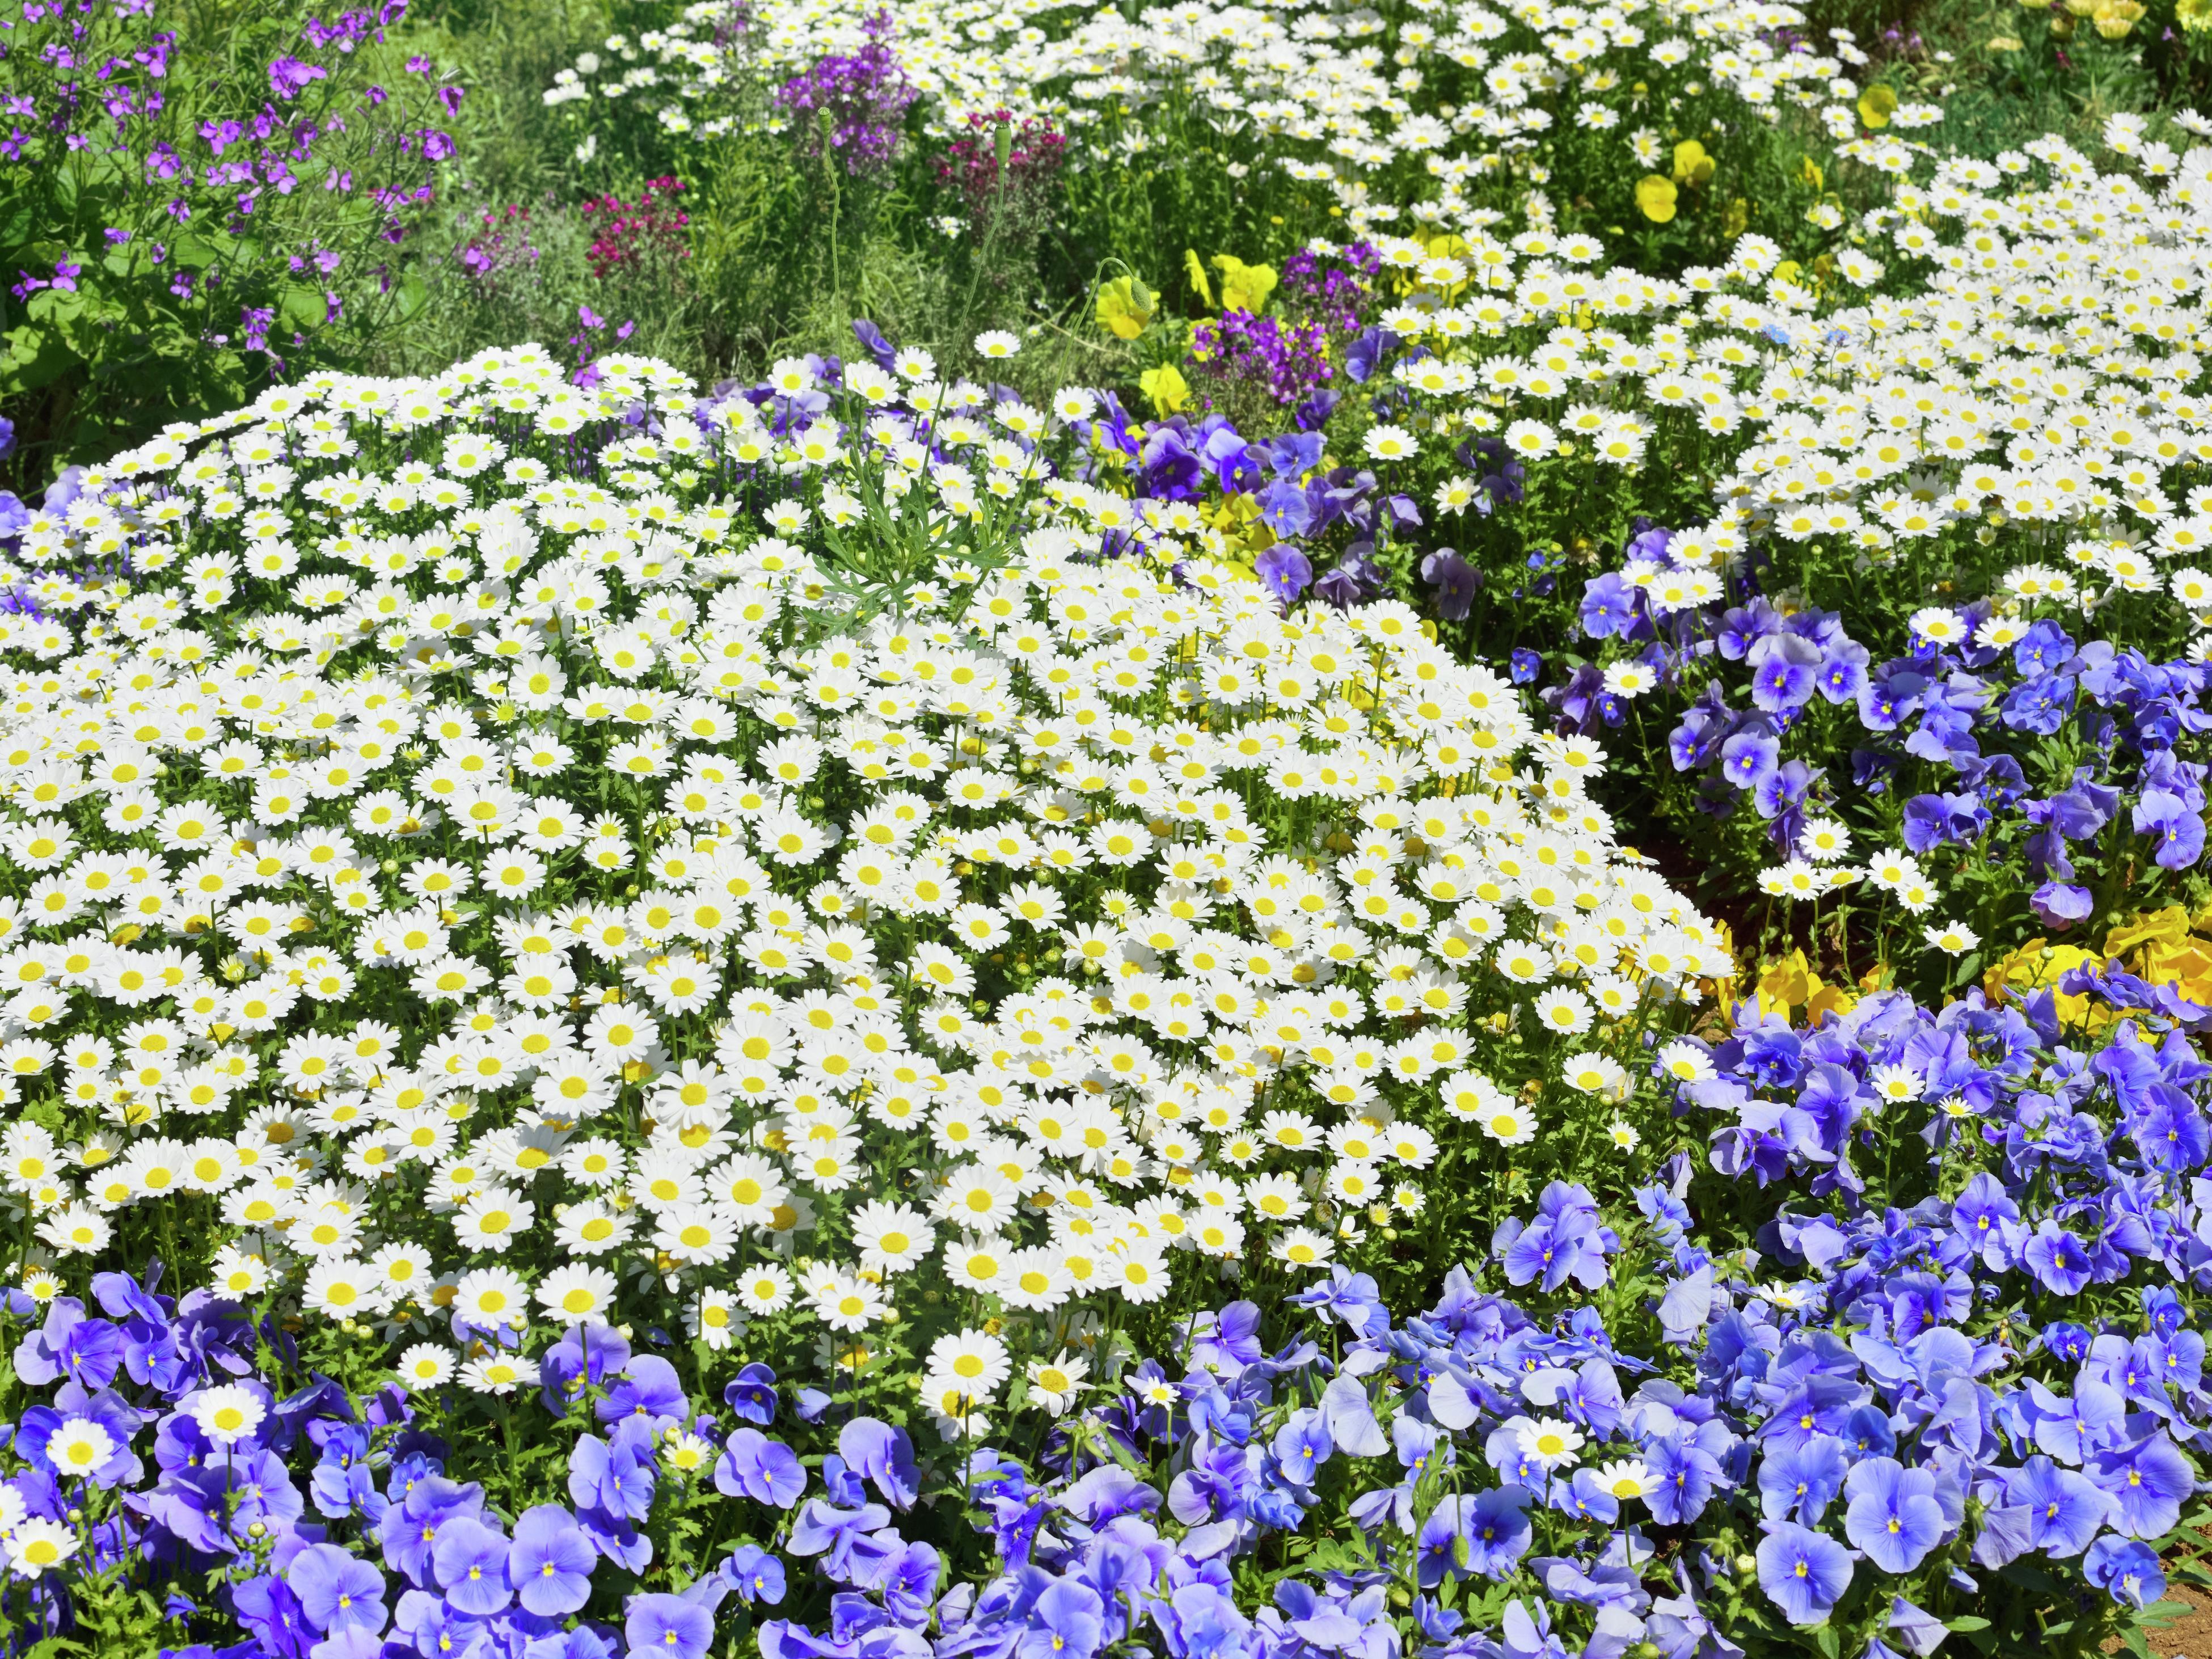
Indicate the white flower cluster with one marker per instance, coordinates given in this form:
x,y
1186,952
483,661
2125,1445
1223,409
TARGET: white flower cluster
x,y
463,855
2041,384
1329,93
960,55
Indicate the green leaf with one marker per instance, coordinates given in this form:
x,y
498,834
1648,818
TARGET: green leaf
x,y
34,357
54,307
302,307
2028,1578
195,252
2159,1613
1966,1624
1824,1641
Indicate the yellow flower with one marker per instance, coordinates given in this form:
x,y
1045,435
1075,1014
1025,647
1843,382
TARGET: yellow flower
x,y
1828,1000
2114,18
1876,105
2168,927
1692,165
2040,965
1166,387
1196,268
2194,16
1656,197
1736,219
1243,287
1787,983
1124,306
1810,175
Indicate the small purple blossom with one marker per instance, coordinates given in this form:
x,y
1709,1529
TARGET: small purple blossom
x,y
856,102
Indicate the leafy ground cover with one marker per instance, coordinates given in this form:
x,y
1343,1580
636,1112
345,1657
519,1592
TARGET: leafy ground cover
x,y
1242,831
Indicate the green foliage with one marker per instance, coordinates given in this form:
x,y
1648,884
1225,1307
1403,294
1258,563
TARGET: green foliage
x,y
224,214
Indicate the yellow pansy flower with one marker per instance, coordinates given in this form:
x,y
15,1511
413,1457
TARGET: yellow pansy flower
x,y
1166,387
1655,196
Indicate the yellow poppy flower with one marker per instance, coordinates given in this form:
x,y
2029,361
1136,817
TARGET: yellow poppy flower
x,y
1125,306
1194,268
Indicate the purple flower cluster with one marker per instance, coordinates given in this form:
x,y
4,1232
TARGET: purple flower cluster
x,y
1288,360
397,1557
2090,1178
855,102
289,77
353,27
1978,715
1177,459
1333,290
285,145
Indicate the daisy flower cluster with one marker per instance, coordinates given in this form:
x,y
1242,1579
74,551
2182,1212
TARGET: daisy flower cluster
x,y
1451,90
481,870
2038,382
695,71
1352,99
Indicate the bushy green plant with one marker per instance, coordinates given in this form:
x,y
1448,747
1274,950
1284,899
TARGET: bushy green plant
x,y
198,200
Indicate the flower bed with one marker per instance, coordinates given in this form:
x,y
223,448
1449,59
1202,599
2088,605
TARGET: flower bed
x,y
917,1004
911,979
